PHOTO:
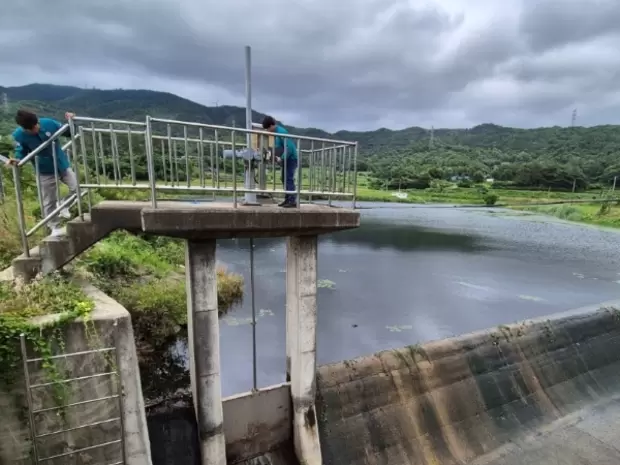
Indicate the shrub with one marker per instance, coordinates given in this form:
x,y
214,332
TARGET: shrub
x,y
490,199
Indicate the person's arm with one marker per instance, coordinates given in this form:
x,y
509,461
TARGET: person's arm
x,y
20,152
58,125
278,150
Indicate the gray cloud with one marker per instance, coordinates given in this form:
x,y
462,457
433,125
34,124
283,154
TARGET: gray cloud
x,y
355,64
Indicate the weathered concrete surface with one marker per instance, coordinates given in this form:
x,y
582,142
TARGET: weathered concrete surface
x,y
111,325
301,322
258,422
221,220
55,252
457,400
590,437
257,428
204,348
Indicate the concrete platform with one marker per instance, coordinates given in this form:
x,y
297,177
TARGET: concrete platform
x,y
217,220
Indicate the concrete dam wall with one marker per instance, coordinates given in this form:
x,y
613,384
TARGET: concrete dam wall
x,y
459,400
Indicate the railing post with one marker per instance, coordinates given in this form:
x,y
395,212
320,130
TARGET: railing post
x,y
20,210
355,174
149,160
77,169
85,163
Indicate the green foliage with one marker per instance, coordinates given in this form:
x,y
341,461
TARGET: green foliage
x,y
51,295
490,199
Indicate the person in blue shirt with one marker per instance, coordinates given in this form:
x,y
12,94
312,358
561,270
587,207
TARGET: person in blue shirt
x,y
32,131
285,149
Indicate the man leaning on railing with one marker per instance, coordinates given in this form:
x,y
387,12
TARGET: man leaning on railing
x,y
31,133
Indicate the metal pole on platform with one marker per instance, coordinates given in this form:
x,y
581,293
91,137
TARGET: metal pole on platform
x,y
254,376
250,197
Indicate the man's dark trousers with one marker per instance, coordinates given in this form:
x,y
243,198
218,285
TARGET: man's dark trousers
x,y
288,182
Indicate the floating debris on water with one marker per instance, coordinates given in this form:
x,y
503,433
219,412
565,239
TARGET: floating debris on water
x,y
234,321
326,284
578,275
398,329
531,297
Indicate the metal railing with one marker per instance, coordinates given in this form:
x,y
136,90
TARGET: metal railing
x,y
163,158
45,445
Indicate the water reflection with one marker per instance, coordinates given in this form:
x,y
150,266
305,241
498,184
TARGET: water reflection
x,y
406,276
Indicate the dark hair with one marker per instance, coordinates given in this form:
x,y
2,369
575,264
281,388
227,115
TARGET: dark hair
x,y
26,119
268,122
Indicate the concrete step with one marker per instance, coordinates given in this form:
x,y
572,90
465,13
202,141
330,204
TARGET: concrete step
x,y
55,252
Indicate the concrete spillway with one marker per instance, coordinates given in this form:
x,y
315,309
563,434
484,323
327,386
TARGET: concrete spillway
x,y
539,392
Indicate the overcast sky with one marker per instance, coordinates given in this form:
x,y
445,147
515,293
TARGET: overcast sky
x,y
336,64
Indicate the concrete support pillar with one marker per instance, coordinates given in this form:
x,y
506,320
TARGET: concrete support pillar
x,y
301,321
204,349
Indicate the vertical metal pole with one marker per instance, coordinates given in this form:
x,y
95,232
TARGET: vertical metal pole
x,y
217,158
169,134
186,149
103,162
299,173
78,189
113,154
249,197
163,160
201,154
149,161
94,136
234,168
613,188
56,180
20,210
355,174
254,369
132,162
33,431
119,387
176,162
85,164
37,174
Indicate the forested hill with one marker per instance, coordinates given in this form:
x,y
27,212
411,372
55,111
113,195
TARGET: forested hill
x,y
135,104
534,157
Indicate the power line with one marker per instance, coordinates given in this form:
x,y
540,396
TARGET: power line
x,y
574,118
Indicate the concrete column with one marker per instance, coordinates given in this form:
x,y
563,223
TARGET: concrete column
x,y
301,312
204,349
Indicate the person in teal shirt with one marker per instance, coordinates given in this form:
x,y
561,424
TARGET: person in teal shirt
x,y
31,132
286,149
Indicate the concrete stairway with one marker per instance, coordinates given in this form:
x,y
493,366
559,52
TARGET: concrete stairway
x,y
55,252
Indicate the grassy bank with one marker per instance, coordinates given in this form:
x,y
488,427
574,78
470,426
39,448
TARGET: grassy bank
x,y
607,214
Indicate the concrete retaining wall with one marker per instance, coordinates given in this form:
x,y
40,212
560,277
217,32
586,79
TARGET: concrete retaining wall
x,y
450,401
112,325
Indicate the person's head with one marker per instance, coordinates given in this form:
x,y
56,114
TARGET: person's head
x,y
28,121
269,124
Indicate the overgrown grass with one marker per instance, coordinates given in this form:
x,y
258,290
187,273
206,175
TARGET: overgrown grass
x,y
605,214
146,276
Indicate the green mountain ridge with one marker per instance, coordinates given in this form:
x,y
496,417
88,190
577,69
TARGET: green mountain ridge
x,y
549,157
135,104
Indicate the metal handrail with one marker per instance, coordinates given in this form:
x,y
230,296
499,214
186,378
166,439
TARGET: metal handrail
x,y
326,168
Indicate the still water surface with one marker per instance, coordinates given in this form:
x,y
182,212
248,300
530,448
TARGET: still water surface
x,y
410,275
